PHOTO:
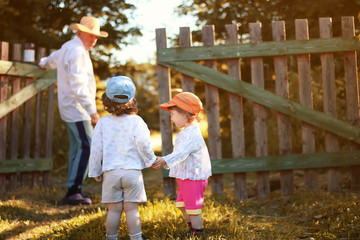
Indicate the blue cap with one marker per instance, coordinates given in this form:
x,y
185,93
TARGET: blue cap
x,y
120,85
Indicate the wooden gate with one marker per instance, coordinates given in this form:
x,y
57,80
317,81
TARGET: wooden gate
x,y
200,62
26,120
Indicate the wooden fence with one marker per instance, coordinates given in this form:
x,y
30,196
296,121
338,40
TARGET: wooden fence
x,y
26,120
184,60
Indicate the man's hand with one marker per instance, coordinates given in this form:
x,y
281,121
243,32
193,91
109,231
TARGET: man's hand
x,y
98,179
42,68
94,118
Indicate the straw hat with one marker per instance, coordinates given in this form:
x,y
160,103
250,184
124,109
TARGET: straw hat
x,y
89,25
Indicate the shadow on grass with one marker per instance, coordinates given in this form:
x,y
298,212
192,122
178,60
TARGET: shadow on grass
x,y
36,219
14,231
94,229
22,214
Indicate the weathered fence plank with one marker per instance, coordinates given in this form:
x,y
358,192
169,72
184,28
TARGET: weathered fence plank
x,y
352,92
305,93
20,69
165,123
287,162
187,82
257,79
328,81
236,111
3,120
15,118
212,111
26,165
49,127
283,121
26,134
259,49
38,125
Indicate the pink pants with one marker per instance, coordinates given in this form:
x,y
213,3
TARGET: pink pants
x,y
191,195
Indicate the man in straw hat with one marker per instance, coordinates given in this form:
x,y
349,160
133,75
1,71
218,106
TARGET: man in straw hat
x,y
76,98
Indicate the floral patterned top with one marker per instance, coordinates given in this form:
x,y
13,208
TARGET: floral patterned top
x,y
120,142
190,157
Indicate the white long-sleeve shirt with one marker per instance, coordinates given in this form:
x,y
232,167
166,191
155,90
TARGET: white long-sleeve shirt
x,y
190,157
120,142
75,80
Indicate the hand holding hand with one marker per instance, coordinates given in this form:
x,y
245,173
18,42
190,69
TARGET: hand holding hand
x,y
158,163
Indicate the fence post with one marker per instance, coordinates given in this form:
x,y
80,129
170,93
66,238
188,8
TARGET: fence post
x,y
165,123
236,111
304,73
187,82
212,110
352,93
282,89
257,77
3,126
328,80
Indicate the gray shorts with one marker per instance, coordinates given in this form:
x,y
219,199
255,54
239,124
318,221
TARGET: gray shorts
x,y
123,185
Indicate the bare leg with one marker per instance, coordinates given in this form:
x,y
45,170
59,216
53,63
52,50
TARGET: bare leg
x,y
187,216
196,221
132,217
113,218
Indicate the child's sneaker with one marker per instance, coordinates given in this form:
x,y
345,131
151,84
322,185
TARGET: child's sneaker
x,y
111,237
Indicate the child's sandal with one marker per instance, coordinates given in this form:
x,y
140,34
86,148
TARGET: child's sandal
x,y
196,232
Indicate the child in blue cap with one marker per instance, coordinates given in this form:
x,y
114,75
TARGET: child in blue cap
x,y
120,149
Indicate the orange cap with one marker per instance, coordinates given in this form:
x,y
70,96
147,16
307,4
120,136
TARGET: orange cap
x,y
187,101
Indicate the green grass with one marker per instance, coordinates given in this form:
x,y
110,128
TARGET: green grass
x,y
36,214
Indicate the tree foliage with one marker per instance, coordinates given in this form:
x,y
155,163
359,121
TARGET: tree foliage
x,y
242,12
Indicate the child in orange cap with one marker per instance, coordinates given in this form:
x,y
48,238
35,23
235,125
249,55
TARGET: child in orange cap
x,y
189,162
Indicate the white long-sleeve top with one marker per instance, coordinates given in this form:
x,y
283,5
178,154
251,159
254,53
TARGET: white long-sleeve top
x,y
190,157
120,142
75,80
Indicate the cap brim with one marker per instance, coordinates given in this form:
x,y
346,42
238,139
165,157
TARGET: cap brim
x,y
79,27
166,106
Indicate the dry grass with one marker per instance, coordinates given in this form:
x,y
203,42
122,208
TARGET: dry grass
x,y
36,214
